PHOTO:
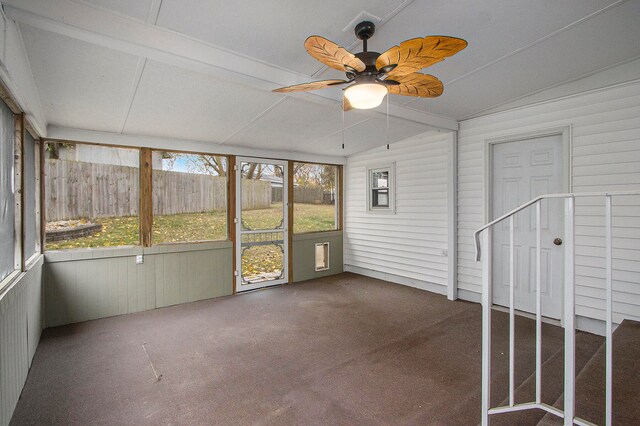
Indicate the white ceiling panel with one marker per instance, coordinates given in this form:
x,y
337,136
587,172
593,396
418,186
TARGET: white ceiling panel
x,y
516,47
80,84
493,28
174,102
295,125
369,134
271,31
139,9
597,43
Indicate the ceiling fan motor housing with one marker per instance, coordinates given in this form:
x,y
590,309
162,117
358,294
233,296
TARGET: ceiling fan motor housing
x,y
365,29
369,60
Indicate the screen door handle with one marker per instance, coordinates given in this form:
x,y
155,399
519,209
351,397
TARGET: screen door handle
x,y
557,241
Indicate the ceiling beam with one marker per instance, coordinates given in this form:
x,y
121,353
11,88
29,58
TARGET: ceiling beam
x,y
107,138
98,26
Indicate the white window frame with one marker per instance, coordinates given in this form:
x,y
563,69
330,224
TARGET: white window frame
x,y
390,168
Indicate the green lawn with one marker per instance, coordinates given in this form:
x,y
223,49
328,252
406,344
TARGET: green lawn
x,y
123,231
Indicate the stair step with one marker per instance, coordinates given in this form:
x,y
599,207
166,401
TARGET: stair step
x,y
590,381
587,345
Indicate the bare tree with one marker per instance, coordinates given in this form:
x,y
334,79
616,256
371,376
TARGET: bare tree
x,y
203,164
209,164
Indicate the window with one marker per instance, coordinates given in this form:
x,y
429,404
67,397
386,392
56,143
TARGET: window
x,y
7,192
189,197
92,196
31,172
380,189
315,197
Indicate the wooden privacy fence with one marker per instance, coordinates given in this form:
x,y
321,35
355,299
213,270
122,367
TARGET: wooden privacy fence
x,y
308,194
301,194
256,194
175,193
76,189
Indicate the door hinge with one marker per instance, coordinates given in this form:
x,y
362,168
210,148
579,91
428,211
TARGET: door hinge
x,y
235,273
235,168
235,220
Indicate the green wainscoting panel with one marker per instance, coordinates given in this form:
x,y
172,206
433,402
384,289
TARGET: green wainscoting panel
x,y
20,327
303,254
96,283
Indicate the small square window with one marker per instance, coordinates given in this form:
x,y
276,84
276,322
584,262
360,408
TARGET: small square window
x,y
380,185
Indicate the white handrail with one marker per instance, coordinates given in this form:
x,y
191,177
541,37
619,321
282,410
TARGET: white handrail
x,y
569,309
476,234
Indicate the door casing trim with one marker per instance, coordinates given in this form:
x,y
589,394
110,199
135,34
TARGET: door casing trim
x,y
564,131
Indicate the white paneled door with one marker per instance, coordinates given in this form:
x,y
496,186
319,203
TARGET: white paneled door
x,y
261,223
522,170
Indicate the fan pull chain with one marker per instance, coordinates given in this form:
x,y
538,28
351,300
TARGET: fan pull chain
x,y
387,121
342,124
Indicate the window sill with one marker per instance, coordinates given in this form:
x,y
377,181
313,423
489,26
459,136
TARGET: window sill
x,y
381,211
8,281
14,277
130,251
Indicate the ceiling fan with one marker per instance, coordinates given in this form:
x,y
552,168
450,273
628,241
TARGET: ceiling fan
x,y
373,74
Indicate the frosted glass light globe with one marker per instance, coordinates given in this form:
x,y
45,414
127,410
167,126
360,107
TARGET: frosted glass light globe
x,y
365,96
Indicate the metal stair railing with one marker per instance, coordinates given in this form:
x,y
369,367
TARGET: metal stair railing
x,y
483,252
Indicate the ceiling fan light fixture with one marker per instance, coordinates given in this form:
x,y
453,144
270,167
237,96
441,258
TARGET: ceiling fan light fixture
x,y
366,95
395,71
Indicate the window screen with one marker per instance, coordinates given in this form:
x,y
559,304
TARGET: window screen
x,y
189,197
29,196
380,189
92,196
315,197
7,212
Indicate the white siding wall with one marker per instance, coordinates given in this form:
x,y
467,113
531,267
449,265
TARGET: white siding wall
x,y
406,247
605,157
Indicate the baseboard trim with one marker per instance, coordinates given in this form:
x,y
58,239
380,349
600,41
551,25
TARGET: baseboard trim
x,y
469,296
397,279
592,325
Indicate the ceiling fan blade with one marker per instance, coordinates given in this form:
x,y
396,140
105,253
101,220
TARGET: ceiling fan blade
x,y
306,87
346,105
333,55
418,53
418,85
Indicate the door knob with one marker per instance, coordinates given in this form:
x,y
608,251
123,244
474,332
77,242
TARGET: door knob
x,y
557,241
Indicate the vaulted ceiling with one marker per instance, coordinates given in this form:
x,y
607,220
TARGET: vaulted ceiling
x,y
203,70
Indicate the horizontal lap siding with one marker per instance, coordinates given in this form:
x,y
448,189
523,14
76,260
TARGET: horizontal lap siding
x,y
605,157
410,243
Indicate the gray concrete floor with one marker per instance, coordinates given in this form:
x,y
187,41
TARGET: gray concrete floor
x,y
345,349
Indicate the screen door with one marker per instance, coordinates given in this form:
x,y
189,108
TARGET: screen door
x,y
261,223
